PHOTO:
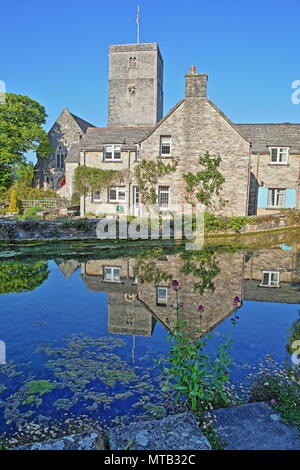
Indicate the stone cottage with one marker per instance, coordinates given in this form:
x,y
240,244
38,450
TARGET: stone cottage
x,y
260,162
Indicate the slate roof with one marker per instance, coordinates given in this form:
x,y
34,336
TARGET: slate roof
x,y
84,125
288,293
96,137
263,136
73,154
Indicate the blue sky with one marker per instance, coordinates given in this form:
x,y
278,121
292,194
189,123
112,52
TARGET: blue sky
x,y
57,52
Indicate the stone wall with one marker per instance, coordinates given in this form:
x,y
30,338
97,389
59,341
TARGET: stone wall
x,y
126,166
135,96
283,261
195,127
270,175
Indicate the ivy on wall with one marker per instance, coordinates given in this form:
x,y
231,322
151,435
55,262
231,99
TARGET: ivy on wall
x,y
88,179
207,182
147,174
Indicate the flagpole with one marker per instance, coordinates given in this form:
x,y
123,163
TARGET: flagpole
x,y
138,25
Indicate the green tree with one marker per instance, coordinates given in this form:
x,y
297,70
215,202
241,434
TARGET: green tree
x,y
22,277
21,120
25,174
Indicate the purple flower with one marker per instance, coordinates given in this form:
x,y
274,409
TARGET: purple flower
x,y
236,301
175,285
181,306
200,308
273,401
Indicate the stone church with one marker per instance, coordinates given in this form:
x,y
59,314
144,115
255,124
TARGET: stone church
x,y
260,162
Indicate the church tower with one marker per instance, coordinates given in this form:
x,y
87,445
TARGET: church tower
x,y
135,87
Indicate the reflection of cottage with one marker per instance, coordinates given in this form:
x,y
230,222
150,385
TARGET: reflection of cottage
x,y
273,276
226,274
126,314
131,301
260,162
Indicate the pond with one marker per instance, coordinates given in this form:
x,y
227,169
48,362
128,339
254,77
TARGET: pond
x,y
81,323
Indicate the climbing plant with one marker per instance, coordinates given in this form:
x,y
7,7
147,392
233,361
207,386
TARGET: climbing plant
x,y
203,265
206,183
147,174
87,179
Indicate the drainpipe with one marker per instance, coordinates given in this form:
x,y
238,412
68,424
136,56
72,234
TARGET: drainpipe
x,y
84,197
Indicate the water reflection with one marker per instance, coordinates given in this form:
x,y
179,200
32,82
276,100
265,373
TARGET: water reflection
x,y
82,332
139,289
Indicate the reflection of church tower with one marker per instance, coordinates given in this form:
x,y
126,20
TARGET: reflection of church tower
x,y
127,315
135,94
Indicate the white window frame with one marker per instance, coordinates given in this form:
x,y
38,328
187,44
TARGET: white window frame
x,y
114,150
113,277
282,156
276,190
163,191
118,189
138,154
270,283
96,199
165,140
162,301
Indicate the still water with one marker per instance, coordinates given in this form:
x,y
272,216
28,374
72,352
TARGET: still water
x,y
83,323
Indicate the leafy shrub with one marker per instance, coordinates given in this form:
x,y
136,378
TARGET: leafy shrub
x,y
236,223
78,224
31,212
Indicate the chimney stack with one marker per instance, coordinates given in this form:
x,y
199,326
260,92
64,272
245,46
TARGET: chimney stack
x,y
195,84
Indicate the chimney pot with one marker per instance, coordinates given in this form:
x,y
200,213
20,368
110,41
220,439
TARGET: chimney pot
x,y
193,69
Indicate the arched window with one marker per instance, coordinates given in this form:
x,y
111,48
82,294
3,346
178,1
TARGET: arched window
x,y
60,156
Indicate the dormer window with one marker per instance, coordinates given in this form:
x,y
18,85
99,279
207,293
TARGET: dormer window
x,y
279,155
112,153
112,273
270,279
165,146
